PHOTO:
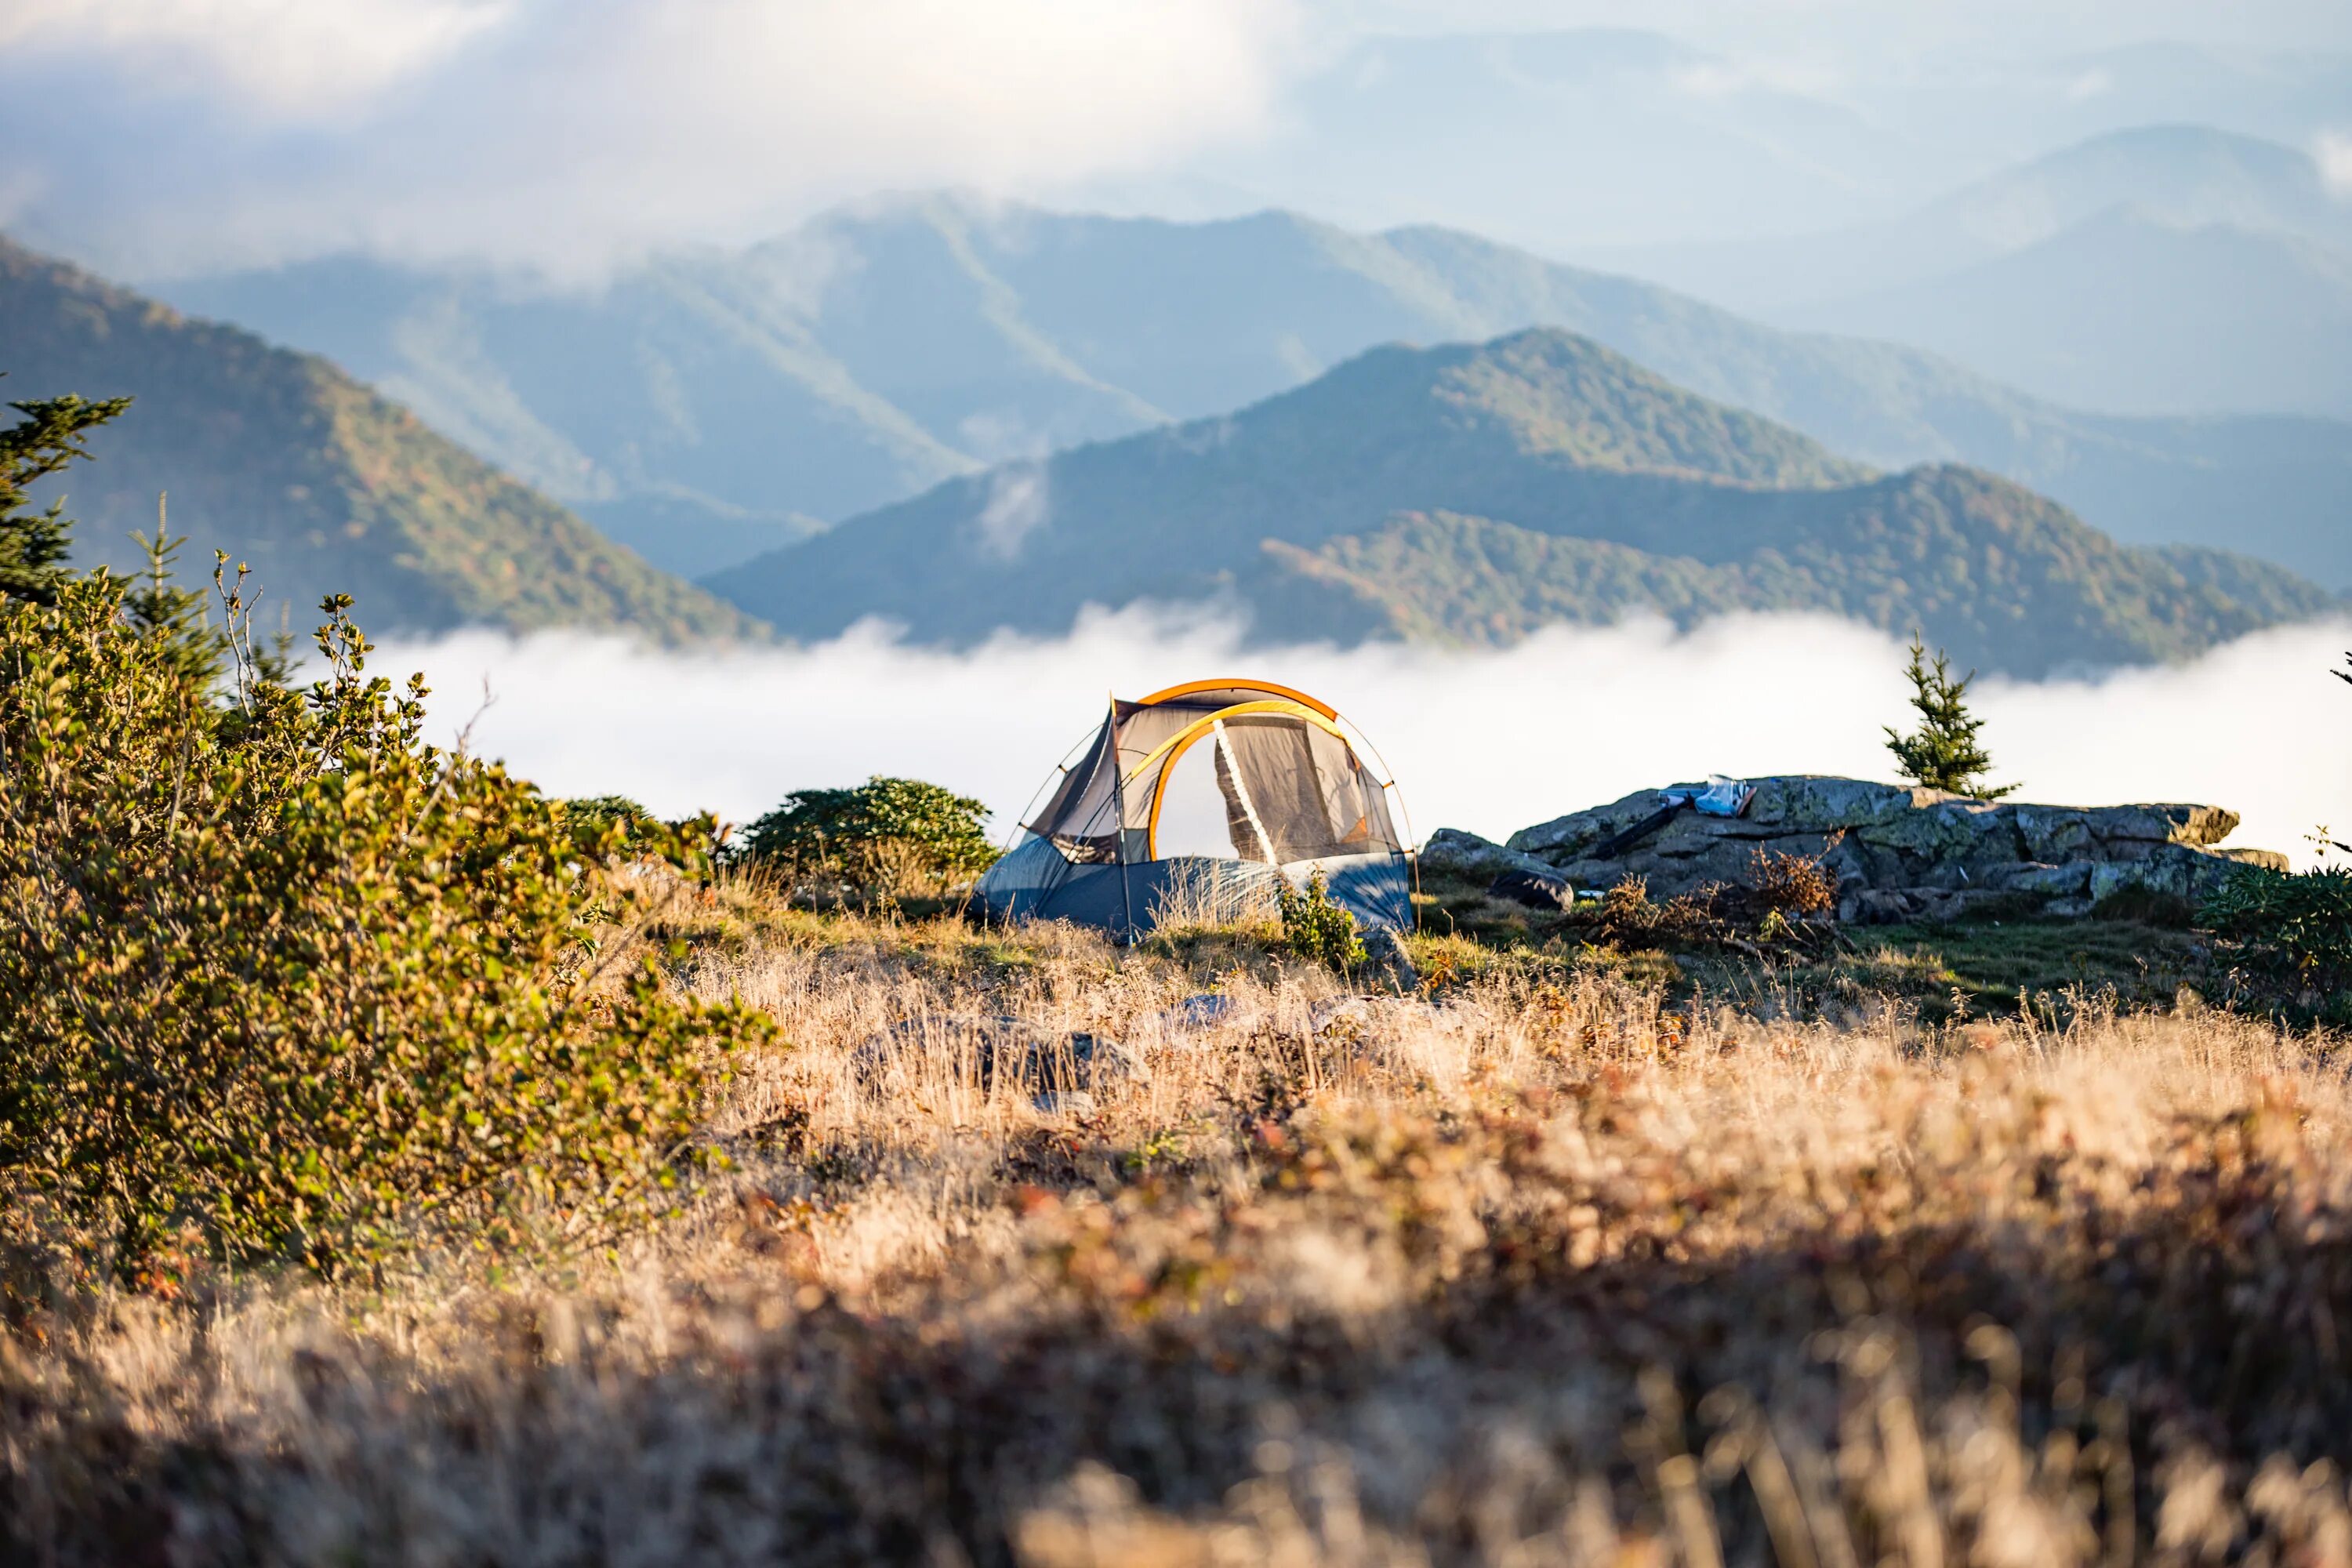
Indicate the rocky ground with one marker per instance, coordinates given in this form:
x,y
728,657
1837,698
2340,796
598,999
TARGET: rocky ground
x,y
1900,854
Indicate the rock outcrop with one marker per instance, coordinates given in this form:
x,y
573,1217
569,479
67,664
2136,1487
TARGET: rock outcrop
x,y
1451,852
1899,853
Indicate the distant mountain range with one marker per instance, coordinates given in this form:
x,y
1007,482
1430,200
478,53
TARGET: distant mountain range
x,y
316,482
2137,313
1471,493
1644,138
2185,175
707,407
2167,269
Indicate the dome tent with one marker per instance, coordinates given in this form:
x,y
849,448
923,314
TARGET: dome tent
x,y
1208,792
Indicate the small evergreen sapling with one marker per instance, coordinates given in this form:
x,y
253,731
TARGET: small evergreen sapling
x,y
34,545
1943,752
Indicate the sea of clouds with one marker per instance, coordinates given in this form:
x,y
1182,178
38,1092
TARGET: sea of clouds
x,y
1489,740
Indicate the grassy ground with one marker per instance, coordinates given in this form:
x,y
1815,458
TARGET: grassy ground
x,y
1575,1257
1943,973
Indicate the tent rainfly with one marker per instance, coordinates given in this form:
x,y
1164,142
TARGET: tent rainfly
x,y
1200,798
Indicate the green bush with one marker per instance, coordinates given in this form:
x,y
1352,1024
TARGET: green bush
x,y
885,835
2293,932
590,815
279,981
1317,930
2292,925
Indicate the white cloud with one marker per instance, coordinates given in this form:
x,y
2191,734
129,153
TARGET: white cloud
x,y
1019,503
561,132
289,57
1490,742
2089,85
2333,152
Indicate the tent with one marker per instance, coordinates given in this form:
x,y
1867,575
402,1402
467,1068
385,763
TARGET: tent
x,y
1202,798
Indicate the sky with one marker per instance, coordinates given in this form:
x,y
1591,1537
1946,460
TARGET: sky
x,y
159,136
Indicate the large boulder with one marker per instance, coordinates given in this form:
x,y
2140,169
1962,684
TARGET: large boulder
x,y
1901,852
1451,852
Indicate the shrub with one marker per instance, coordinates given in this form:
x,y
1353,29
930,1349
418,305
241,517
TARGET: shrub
x,y
278,976
1317,930
1785,884
1627,916
2294,926
887,835
590,815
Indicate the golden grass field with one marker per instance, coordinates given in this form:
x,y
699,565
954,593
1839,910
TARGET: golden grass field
x,y
1528,1268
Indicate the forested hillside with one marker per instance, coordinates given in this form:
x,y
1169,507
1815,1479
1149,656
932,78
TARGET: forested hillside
x,y
1471,493
316,482
706,405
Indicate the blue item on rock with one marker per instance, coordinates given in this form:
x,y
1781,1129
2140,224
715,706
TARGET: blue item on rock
x,y
1719,796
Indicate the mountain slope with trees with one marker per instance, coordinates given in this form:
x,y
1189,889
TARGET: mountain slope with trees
x,y
708,405
316,482
1472,493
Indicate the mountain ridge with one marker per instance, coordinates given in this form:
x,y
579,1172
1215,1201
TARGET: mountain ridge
x,y
2152,272
880,349
1645,496
2188,173
318,482
2251,319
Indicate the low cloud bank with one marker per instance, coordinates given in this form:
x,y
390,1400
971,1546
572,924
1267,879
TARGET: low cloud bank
x,y
1486,740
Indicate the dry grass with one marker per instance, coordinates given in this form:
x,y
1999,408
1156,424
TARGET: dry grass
x,y
1535,1272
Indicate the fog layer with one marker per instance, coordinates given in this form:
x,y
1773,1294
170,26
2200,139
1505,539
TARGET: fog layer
x,y
1490,741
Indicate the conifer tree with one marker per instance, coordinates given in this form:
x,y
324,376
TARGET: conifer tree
x,y
157,606
34,545
1944,753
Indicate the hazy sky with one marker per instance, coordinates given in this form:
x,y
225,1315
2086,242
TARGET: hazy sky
x,y
156,136
1903,27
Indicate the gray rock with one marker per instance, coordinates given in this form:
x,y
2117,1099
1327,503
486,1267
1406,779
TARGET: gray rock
x,y
1940,853
1877,907
2058,833
2268,859
2053,881
2181,870
1199,1011
1451,852
1803,803
2198,827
